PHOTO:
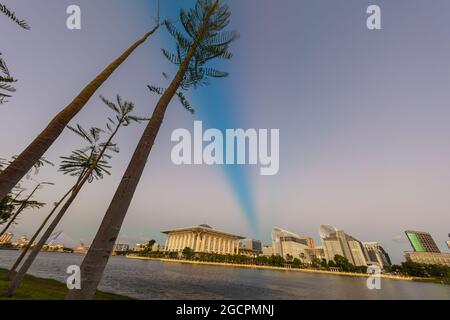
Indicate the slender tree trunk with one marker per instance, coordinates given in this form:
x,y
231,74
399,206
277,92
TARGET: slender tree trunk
x,y
38,231
32,256
95,262
22,164
18,212
84,177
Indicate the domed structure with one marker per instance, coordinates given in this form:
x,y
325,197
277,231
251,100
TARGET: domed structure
x,y
205,226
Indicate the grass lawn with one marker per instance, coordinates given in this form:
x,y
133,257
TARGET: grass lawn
x,y
33,288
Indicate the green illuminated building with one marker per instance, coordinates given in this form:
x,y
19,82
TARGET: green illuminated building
x,y
422,241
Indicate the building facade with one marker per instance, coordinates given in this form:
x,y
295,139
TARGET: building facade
x,y
6,238
120,248
428,258
422,241
377,255
286,243
309,242
251,245
267,251
202,239
316,253
337,242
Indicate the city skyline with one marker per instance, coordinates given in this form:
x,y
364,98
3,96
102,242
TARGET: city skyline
x,y
362,116
305,239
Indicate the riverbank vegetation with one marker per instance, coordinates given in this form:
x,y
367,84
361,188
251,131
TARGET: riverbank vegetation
x,y
430,273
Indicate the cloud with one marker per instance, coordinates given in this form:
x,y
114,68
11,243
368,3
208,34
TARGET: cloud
x,y
400,239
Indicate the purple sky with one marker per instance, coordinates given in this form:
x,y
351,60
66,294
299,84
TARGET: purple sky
x,y
365,140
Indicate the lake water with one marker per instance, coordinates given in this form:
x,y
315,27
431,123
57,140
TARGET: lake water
x,y
157,280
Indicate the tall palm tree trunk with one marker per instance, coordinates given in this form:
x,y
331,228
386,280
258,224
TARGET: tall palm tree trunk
x,y
18,212
95,262
25,161
33,239
84,177
32,256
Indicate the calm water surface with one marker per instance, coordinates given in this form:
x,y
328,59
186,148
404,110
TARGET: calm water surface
x,y
157,280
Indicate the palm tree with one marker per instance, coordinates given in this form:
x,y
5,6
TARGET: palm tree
x,y
25,161
22,23
202,41
29,245
87,164
5,77
5,82
9,204
24,204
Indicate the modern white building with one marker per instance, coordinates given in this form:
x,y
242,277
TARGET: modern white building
x,y
337,242
202,239
286,243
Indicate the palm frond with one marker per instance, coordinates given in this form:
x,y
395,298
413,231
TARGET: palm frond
x,y
209,43
10,14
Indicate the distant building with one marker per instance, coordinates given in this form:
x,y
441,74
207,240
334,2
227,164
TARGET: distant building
x,y
422,241
286,243
121,248
309,242
267,251
81,249
202,239
377,255
448,244
428,258
337,242
316,253
157,247
6,238
21,242
251,245
139,247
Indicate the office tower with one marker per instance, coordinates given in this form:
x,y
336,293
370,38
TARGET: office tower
x,y
251,245
377,255
422,241
337,242
286,243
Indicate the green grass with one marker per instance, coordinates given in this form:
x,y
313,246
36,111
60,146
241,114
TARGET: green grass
x,y
33,288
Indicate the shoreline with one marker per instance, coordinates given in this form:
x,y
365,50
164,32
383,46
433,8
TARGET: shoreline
x,y
232,265
37,288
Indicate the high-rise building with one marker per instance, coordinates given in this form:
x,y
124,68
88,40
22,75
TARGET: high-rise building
x,y
251,245
377,255
422,241
448,242
286,243
6,238
309,242
337,242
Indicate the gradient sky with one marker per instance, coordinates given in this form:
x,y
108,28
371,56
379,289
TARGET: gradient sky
x,y
363,115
